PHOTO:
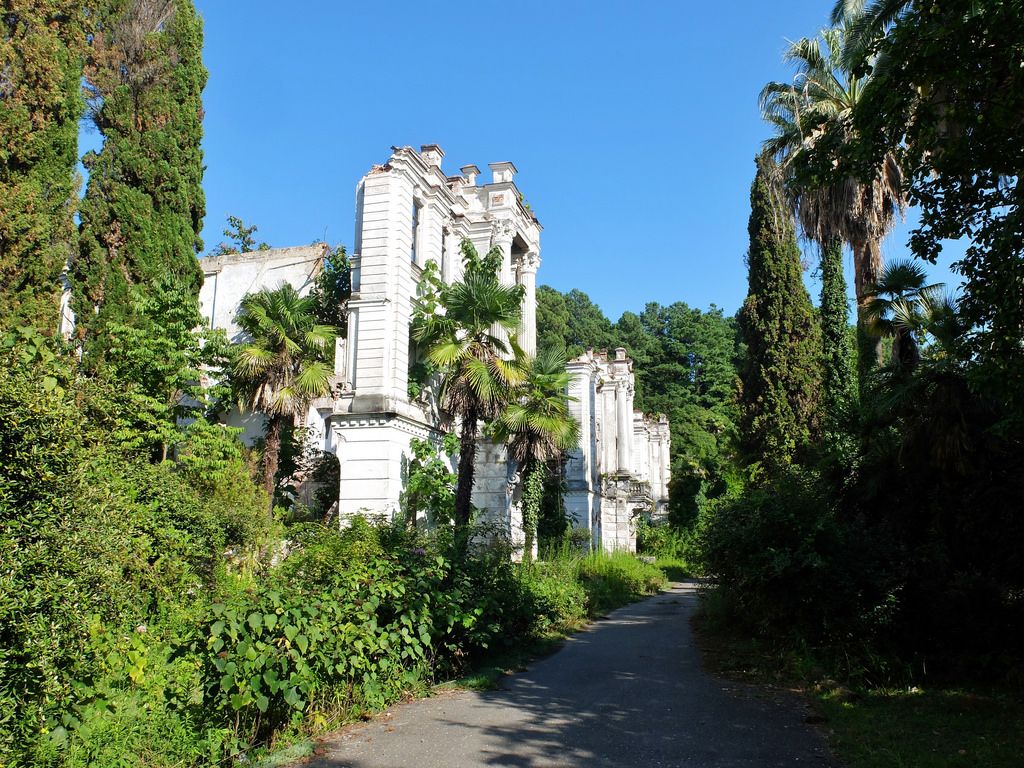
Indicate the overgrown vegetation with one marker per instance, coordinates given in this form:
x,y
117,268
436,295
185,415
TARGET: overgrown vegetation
x,y
883,564
102,658
42,43
857,510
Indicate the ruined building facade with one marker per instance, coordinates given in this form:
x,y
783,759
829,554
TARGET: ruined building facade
x,y
410,213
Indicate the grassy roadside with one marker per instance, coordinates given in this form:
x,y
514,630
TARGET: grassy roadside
x,y
943,726
608,582
581,587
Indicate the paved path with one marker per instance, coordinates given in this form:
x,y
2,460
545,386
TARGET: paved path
x,y
629,691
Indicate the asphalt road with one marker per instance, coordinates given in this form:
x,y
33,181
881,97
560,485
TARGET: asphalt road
x,y
629,691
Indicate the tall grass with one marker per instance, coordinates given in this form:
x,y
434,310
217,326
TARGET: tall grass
x,y
577,586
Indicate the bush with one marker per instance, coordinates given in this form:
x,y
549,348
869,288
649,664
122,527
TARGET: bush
x,y
561,598
568,587
212,461
101,545
675,549
786,567
127,634
274,655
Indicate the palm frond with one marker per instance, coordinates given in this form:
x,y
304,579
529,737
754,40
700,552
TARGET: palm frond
x,y
313,379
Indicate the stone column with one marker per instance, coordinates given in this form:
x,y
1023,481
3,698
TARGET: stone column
x,y
528,325
449,251
624,425
503,239
503,235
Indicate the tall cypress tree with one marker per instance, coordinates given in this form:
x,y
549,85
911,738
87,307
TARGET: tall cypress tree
x,y
41,44
839,373
781,377
144,204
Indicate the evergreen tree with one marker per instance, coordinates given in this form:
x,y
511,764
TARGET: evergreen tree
x,y
781,377
144,204
41,43
552,319
838,369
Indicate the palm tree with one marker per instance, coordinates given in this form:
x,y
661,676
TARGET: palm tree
x,y
868,21
480,369
537,427
813,120
281,366
901,307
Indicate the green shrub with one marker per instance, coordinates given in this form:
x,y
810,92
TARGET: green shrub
x,y
99,542
559,594
212,461
143,707
274,655
785,566
673,547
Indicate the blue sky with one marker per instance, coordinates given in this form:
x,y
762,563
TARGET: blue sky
x,y
633,124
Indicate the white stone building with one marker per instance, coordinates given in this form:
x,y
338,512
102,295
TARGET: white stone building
x,y
621,469
409,213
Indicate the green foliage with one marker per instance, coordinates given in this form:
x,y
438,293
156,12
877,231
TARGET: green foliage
x,y
365,633
838,369
552,521
616,578
959,129
665,541
332,290
781,376
814,128
99,542
787,567
281,363
242,238
211,460
686,368
41,46
538,428
430,483
570,587
571,323
686,362
427,302
480,370
552,320
144,203
160,353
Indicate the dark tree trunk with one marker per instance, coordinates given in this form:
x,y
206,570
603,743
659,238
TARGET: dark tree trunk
x,y
464,490
271,454
905,351
867,258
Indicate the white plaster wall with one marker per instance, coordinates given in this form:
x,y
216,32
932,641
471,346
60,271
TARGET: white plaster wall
x,y
373,455
227,279
379,338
